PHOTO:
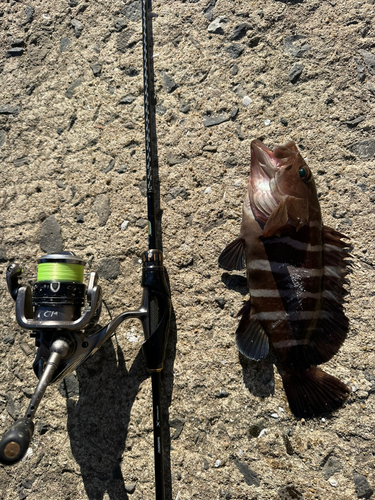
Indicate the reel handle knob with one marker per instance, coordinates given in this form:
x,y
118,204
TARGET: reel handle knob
x,y
15,442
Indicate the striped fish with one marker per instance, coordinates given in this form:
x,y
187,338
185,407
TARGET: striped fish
x,y
296,270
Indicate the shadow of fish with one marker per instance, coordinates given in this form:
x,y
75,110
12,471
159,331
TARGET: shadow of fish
x,y
296,270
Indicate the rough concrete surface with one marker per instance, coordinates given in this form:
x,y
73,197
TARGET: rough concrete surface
x,y
73,178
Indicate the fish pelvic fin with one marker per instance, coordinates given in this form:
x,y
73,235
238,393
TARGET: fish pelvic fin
x,y
290,211
251,339
232,258
313,392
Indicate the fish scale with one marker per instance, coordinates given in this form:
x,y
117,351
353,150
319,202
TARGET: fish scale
x,y
296,270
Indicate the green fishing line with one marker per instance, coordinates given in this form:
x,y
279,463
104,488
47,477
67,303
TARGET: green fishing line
x,y
57,271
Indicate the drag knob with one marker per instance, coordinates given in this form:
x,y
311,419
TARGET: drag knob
x,y
16,441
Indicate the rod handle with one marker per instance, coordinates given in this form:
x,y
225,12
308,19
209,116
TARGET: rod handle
x,y
157,302
16,441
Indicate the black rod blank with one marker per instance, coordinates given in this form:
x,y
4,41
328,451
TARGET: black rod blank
x,y
158,436
150,140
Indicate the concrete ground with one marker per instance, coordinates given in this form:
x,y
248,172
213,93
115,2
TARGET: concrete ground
x,y
72,177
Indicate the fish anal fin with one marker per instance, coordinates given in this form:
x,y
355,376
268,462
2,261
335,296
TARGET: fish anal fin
x,y
251,339
313,392
329,334
233,256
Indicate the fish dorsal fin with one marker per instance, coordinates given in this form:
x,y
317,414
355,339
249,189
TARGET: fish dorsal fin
x,y
336,264
333,237
232,258
251,338
329,333
290,210
332,326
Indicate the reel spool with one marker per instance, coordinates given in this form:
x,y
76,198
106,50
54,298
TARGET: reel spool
x,y
57,296
59,293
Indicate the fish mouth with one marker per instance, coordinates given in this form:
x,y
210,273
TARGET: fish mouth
x,y
261,186
263,161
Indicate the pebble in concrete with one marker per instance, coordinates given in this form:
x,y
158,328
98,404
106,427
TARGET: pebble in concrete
x,y
109,268
50,236
102,208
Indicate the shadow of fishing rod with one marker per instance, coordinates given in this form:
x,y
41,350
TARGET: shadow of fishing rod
x,y
98,422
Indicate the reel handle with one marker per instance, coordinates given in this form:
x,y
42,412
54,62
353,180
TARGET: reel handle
x,y
15,442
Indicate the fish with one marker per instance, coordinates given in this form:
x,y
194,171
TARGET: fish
x,y
296,271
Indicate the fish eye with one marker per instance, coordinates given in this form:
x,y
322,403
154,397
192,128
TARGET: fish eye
x,y
304,173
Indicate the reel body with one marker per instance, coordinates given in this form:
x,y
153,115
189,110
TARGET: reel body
x,y
52,307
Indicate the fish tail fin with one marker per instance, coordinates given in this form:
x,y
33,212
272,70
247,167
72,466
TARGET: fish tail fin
x,y
312,392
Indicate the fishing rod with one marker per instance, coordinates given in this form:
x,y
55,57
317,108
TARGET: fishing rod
x,y
154,347
52,308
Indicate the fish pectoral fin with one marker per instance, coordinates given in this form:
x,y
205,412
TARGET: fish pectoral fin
x,y
298,211
291,210
232,258
277,220
251,339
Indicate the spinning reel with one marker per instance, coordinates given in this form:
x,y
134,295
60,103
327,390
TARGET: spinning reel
x,y
63,333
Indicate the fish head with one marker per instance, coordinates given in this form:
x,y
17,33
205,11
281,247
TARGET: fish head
x,y
281,188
